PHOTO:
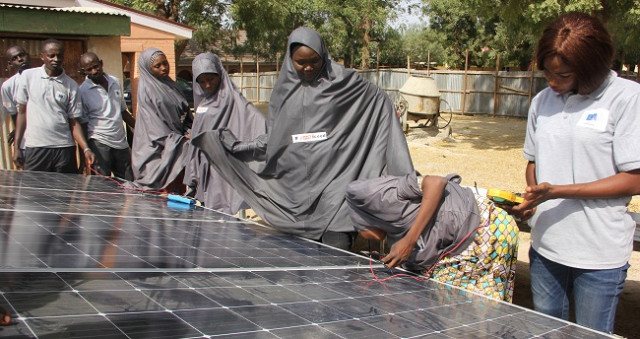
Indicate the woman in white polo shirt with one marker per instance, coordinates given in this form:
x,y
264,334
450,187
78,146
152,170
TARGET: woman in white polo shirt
x,y
582,139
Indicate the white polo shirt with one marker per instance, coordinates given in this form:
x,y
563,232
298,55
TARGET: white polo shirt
x,y
580,139
51,102
9,91
102,110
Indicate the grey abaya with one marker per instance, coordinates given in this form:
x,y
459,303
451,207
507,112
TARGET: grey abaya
x,y
227,108
159,152
322,135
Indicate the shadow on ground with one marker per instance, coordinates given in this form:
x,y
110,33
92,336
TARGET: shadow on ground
x,y
505,133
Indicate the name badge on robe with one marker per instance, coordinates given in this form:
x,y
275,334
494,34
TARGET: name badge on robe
x,y
309,137
596,119
201,109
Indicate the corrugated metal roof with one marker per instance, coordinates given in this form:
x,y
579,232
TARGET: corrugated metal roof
x,y
62,21
84,10
117,7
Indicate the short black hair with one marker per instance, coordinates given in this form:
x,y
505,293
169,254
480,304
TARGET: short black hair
x,y
51,41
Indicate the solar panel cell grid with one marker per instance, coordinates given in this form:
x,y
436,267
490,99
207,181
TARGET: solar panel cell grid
x,y
80,258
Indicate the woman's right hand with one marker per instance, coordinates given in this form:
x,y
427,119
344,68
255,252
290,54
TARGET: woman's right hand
x,y
533,196
399,253
18,159
536,195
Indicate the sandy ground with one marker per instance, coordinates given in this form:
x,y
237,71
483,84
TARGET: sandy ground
x,y
487,152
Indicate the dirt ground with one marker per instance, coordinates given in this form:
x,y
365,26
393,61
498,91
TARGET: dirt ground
x,y
487,152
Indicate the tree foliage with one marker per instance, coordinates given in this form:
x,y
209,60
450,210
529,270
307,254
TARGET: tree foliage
x,y
365,20
207,16
512,27
348,26
421,44
267,23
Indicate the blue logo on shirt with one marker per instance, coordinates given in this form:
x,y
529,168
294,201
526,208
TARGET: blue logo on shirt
x,y
592,116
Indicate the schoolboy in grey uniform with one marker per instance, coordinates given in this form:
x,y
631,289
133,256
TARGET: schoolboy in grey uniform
x,y
18,60
104,109
51,99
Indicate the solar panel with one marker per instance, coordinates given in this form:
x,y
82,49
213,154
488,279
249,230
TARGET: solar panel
x,y
81,257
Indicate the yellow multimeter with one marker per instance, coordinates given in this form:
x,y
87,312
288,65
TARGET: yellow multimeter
x,y
504,197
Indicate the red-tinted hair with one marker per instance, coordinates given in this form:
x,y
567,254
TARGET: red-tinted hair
x,y
582,42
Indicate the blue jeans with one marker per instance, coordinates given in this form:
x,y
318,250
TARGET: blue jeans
x,y
595,292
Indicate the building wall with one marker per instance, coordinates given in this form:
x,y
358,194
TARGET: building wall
x,y
140,39
108,49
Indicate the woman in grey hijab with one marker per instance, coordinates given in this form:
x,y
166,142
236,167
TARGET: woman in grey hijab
x,y
327,126
218,105
159,152
436,226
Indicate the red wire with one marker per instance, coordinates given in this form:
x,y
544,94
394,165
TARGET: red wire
x,y
123,186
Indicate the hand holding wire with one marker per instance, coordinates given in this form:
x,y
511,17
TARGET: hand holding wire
x,y
399,253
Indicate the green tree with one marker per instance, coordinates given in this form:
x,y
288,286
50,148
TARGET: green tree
x,y
207,16
363,20
268,23
347,25
463,30
520,23
423,44
388,48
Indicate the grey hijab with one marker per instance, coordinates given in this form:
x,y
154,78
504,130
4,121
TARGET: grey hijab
x,y
299,187
391,204
227,108
159,145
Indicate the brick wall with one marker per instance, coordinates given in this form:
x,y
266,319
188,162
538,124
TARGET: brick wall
x,y
140,39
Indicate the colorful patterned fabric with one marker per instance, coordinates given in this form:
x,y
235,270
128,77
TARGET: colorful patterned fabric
x,y
488,265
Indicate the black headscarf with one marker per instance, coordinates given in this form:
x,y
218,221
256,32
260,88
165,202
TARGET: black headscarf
x,y
300,186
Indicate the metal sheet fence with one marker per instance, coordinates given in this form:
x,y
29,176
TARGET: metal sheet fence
x,y
473,92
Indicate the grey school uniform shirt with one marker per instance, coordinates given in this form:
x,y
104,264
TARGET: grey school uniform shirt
x,y
320,136
51,102
103,112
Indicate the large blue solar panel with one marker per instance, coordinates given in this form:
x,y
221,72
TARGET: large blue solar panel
x,y
81,257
